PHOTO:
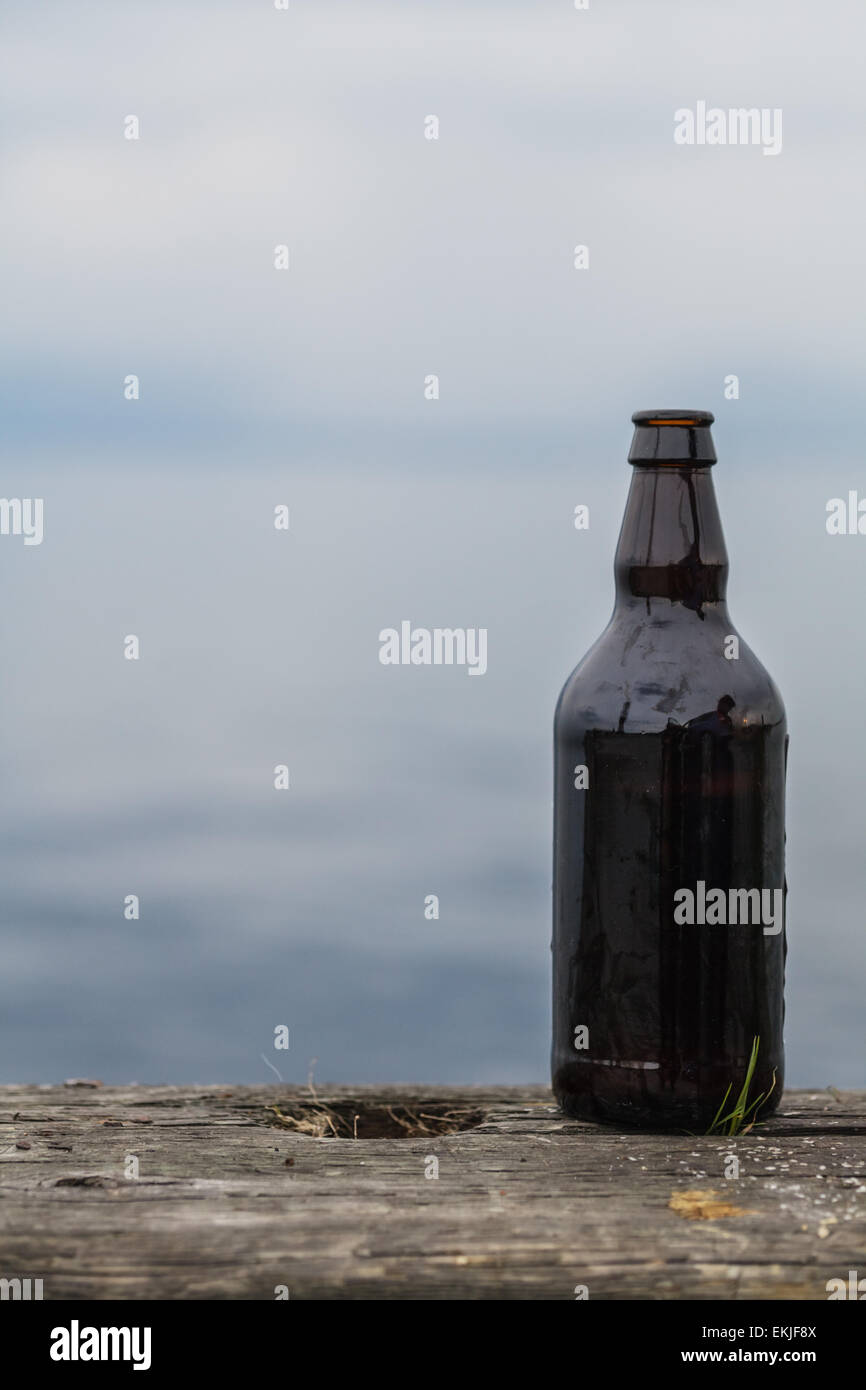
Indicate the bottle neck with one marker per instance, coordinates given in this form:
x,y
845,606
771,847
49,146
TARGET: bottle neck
x,y
671,551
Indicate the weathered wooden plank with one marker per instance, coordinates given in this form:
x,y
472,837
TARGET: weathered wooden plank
x,y
230,1203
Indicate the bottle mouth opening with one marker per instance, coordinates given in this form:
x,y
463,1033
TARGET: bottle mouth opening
x,y
683,418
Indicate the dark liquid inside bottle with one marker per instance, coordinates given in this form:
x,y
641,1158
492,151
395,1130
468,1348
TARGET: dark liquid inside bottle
x,y
669,776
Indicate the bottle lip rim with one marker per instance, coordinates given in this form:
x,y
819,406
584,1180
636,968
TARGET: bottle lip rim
x,y
682,418
672,437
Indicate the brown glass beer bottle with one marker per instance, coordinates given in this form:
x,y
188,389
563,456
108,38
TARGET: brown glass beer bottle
x,y
669,839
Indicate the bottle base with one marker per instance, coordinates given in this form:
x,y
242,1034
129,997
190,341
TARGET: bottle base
x,y
630,1095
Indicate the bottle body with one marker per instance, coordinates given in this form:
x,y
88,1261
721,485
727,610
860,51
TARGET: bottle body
x,y
669,888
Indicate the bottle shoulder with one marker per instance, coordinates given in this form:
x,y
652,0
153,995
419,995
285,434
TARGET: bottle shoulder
x,y
646,671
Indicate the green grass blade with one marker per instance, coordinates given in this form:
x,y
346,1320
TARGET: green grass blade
x,y
743,1107
739,1108
720,1109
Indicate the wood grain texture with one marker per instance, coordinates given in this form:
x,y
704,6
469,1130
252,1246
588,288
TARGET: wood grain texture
x,y
528,1204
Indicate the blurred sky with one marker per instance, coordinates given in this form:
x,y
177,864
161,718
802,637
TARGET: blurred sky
x,y
408,257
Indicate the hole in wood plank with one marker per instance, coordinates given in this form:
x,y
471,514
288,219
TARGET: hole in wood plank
x,y
346,1119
